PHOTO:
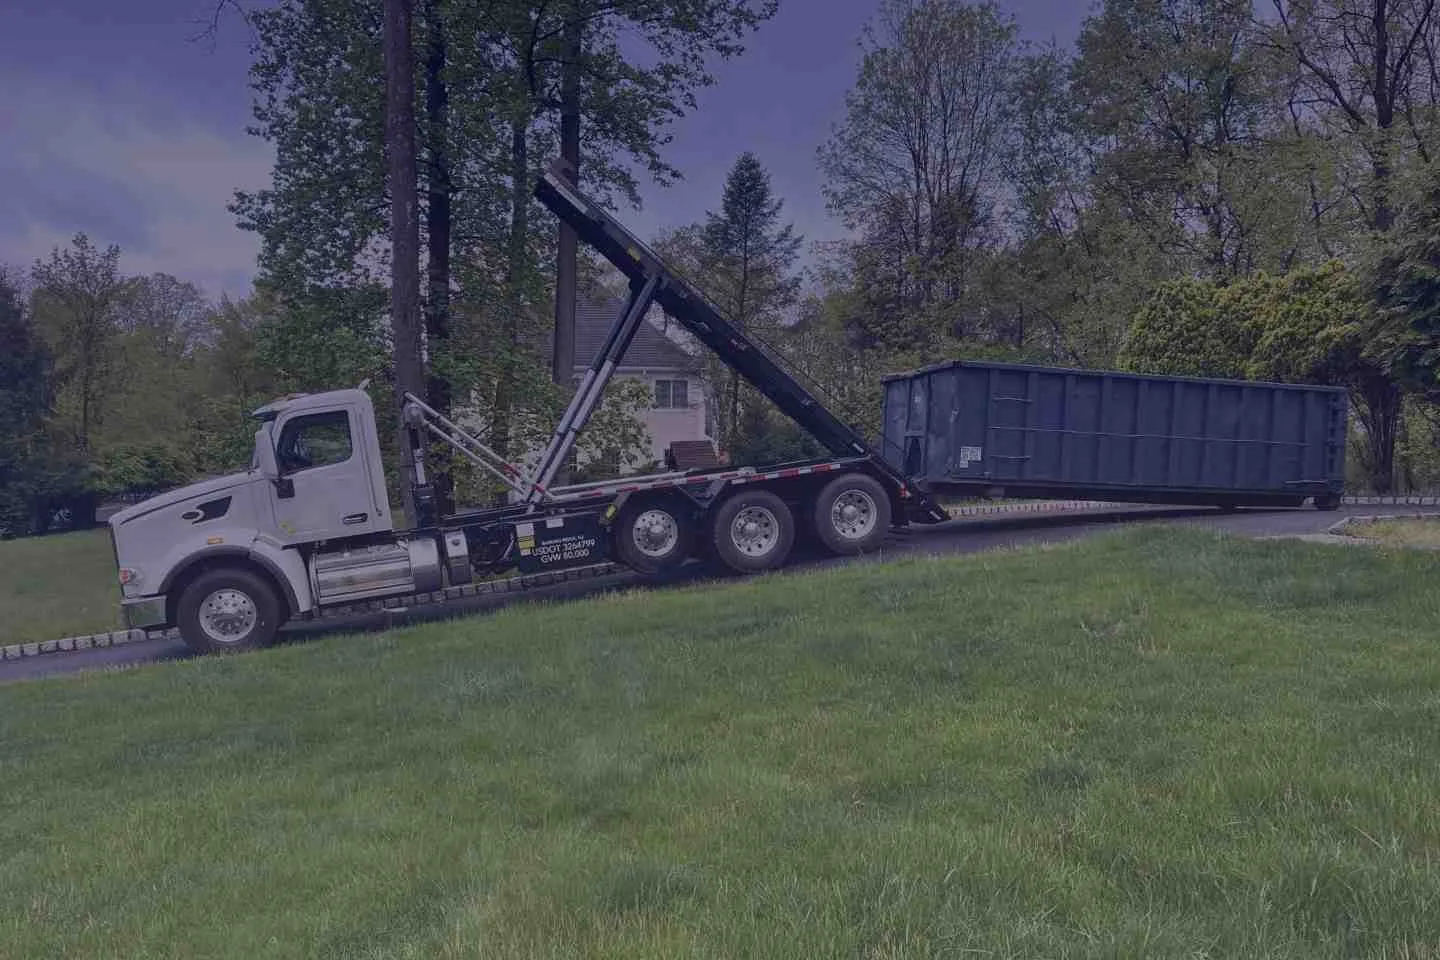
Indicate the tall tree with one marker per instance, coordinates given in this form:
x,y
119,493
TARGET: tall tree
x,y
439,187
749,256
1368,71
79,292
404,226
1078,266
1051,149
915,166
1178,91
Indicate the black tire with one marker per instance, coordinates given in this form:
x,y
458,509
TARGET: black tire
x,y
227,598
662,551
768,544
852,514
1327,503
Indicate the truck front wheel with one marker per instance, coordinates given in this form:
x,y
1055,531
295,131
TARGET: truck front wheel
x,y
753,531
227,610
852,514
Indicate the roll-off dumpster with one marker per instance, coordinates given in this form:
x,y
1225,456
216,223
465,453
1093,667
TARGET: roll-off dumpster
x,y
999,429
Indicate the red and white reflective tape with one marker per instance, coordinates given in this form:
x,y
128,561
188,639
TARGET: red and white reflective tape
x,y
612,489
739,476
792,472
709,477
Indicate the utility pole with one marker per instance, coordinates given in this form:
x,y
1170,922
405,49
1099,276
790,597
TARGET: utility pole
x,y
404,228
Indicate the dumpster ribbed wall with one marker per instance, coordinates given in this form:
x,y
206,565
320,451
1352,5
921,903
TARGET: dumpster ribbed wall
x,y
1043,431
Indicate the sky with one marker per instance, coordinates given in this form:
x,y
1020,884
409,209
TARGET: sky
x,y
123,122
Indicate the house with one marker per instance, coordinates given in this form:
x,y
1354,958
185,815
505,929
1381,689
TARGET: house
x,y
679,420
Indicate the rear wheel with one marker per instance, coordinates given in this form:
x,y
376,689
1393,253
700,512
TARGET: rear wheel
x,y
653,536
852,514
753,531
1327,503
227,610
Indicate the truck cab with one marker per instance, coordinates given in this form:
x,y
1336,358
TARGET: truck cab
x,y
315,476
320,457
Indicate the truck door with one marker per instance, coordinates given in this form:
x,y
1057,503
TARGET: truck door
x,y
324,490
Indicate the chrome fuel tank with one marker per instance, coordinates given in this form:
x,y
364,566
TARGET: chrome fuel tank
x,y
377,570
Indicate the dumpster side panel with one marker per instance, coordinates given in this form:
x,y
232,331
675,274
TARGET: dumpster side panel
x,y
1044,431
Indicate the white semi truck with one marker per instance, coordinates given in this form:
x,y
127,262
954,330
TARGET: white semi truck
x,y
308,526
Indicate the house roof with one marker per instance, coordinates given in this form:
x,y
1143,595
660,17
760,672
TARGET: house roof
x,y
651,348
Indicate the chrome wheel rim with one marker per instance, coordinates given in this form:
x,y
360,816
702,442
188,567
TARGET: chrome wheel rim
x,y
228,615
853,515
755,531
655,533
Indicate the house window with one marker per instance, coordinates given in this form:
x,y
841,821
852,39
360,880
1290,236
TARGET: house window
x,y
671,394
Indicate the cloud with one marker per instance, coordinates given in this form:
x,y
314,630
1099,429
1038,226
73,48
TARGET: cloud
x,y
125,166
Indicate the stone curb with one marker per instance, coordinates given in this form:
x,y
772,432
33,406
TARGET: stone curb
x,y
116,638
86,641
1391,501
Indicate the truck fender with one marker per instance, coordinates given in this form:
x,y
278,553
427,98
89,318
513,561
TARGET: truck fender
x,y
288,567
285,567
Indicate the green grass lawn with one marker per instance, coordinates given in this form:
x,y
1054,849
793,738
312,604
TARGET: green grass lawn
x,y
1422,533
57,586
1151,744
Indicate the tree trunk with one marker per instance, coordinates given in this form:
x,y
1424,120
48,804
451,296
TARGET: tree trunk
x,y
741,306
83,440
437,228
1379,411
562,354
514,271
404,226
1405,467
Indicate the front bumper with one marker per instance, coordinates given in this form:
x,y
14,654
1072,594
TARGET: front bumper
x,y
144,612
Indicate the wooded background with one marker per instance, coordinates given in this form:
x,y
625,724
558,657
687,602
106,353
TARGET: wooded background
x,y
1213,187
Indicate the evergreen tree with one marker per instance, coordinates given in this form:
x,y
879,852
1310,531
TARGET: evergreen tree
x,y
749,256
